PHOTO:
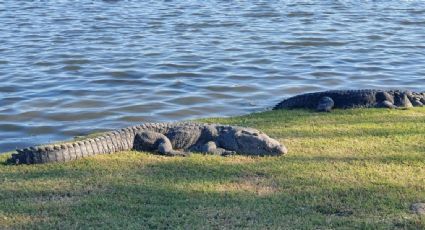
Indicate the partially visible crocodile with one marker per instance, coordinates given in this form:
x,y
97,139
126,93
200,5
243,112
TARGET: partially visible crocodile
x,y
171,139
325,101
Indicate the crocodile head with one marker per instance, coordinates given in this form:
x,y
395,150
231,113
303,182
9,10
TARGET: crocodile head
x,y
250,141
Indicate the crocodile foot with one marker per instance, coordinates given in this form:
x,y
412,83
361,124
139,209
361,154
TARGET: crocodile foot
x,y
386,104
325,104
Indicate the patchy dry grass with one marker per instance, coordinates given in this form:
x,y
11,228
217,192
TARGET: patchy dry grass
x,y
348,169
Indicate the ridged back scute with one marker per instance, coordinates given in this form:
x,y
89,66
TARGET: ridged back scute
x,y
342,99
61,153
106,143
94,146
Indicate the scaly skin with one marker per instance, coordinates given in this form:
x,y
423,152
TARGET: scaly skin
x,y
165,138
366,98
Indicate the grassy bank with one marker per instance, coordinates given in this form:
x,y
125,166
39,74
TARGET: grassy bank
x,y
352,168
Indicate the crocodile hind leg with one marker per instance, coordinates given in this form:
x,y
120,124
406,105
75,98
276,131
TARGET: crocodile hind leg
x,y
401,100
211,148
157,142
385,100
165,148
386,104
325,104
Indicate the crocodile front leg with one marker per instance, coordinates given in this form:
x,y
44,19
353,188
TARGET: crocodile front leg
x,y
325,104
384,100
157,142
211,148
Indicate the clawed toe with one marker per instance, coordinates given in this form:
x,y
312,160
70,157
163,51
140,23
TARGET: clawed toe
x,y
175,153
387,104
228,153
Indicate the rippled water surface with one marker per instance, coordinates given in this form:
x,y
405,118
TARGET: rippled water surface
x,y
72,67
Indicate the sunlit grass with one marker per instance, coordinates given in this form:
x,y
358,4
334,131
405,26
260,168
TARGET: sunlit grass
x,y
345,169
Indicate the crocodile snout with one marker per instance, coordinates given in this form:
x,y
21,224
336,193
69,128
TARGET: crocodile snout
x,y
280,150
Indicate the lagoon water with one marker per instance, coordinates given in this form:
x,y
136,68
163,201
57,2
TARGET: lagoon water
x,y
73,67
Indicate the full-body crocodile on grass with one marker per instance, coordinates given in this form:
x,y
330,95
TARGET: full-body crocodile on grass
x,y
367,98
171,139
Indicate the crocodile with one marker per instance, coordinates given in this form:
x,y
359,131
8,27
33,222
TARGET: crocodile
x,y
367,98
171,139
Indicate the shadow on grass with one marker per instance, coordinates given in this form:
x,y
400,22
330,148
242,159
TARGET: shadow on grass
x,y
198,193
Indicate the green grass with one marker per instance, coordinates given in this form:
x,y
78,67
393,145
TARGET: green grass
x,y
358,168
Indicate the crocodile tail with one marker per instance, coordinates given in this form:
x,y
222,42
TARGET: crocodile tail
x,y
107,143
